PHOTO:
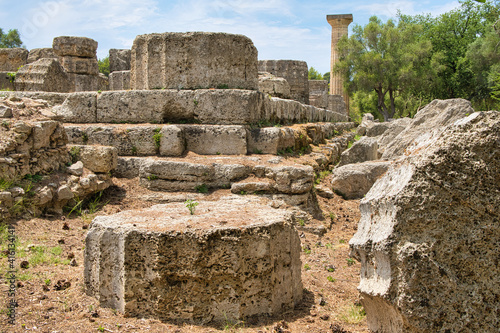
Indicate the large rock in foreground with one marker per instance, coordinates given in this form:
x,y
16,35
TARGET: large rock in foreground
x,y
428,239
232,259
193,60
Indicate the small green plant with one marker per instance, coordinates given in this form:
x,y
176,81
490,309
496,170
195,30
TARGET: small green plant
x,y
74,153
203,188
217,153
47,282
134,150
257,151
157,138
243,192
6,124
342,241
100,328
191,205
306,250
195,102
5,184
85,138
330,279
328,245
222,86
331,269
320,176
33,178
12,76
152,177
99,91
350,261
307,267
302,222
353,314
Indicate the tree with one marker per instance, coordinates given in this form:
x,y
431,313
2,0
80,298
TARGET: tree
x,y
104,65
387,59
10,39
314,74
326,77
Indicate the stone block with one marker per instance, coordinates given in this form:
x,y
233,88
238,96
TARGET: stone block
x,y
43,75
429,232
36,54
102,82
215,139
127,167
79,65
74,46
101,159
427,125
42,132
353,181
83,82
119,80
172,141
273,85
193,60
263,140
318,93
80,107
366,149
12,58
337,104
5,112
119,60
294,71
204,270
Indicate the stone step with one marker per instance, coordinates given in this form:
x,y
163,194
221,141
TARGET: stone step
x,y
176,140
205,106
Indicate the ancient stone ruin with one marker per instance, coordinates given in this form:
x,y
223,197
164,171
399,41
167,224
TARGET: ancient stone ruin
x,y
196,117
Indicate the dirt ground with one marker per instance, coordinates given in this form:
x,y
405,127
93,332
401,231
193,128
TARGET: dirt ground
x,y
51,297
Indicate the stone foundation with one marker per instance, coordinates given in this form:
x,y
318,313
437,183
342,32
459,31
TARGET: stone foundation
x,y
294,71
218,264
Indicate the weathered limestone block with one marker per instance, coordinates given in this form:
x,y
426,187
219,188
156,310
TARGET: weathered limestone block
x,y
74,46
318,93
12,58
96,158
290,179
365,149
119,60
273,85
164,263
429,233
336,103
193,60
79,65
80,107
5,112
263,140
427,123
52,98
396,127
128,167
102,82
378,129
294,71
119,80
353,181
43,75
36,54
84,82
172,141
215,139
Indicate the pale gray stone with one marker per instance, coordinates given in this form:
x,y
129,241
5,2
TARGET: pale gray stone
x,y
64,193
12,58
74,46
80,107
353,181
365,149
119,60
215,139
76,168
45,74
294,71
5,112
40,53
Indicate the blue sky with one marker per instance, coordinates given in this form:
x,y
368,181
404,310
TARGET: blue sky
x,y
279,29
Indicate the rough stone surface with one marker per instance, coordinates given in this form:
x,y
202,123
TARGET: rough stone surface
x,y
428,123
353,181
273,85
36,54
80,65
263,140
318,93
96,158
119,60
228,261
119,80
45,74
337,104
395,127
216,139
5,112
6,81
365,149
193,60
429,231
172,141
12,58
78,107
294,71
83,82
74,46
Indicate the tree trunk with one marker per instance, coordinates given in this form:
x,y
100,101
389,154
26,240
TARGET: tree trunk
x,y
382,108
393,105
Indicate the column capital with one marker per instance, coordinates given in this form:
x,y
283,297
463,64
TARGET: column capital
x,y
339,20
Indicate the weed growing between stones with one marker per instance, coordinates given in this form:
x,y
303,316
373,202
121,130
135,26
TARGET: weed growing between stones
x,y
352,314
157,139
74,153
152,177
203,188
191,205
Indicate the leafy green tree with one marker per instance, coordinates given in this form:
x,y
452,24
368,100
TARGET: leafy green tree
x,y
326,77
314,74
104,65
10,39
385,58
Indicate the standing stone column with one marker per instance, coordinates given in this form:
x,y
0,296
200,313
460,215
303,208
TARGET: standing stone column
x,y
339,24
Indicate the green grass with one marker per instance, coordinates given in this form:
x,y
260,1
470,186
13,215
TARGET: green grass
x,y
203,188
353,314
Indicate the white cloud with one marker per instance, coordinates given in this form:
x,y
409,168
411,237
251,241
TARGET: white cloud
x,y
388,9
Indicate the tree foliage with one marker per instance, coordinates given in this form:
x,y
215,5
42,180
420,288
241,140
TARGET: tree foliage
x,y
314,74
104,65
10,39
